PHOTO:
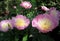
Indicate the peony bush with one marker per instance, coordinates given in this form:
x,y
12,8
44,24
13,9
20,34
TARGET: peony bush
x,y
29,20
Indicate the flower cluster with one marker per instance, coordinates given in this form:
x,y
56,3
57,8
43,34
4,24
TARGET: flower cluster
x,y
43,22
20,22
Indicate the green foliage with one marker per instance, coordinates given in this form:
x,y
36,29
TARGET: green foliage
x,y
25,38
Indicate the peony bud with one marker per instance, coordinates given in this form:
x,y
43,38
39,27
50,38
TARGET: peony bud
x,y
26,4
44,8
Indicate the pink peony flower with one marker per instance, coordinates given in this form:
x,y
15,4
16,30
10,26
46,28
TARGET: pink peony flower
x,y
21,22
26,4
44,8
45,23
5,25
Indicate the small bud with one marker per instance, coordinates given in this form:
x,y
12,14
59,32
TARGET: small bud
x,y
44,8
14,7
26,4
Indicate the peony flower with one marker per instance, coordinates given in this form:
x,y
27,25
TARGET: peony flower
x,y
21,22
44,8
5,25
26,4
45,23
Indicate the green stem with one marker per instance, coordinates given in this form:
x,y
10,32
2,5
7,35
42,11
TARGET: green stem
x,y
16,9
7,3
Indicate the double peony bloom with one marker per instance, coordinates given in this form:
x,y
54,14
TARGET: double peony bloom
x,y
20,22
48,21
5,25
43,22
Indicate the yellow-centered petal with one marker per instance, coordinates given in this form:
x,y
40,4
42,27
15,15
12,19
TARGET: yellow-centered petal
x,y
20,22
44,23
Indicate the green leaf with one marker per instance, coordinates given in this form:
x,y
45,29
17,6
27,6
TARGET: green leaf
x,y
25,38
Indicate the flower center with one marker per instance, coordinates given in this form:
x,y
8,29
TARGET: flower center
x,y
4,25
20,22
44,23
